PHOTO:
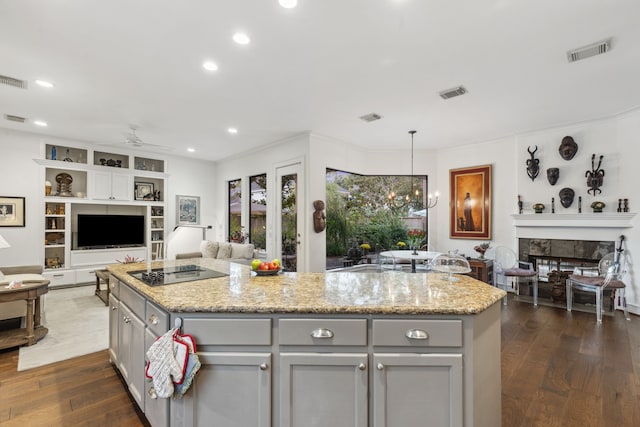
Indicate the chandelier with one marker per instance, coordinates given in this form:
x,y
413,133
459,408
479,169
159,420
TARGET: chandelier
x,y
413,197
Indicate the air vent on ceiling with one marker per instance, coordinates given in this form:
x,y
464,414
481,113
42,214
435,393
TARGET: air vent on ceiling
x,y
6,80
588,51
17,119
450,93
372,117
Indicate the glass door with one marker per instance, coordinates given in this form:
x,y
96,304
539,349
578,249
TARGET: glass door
x,y
289,226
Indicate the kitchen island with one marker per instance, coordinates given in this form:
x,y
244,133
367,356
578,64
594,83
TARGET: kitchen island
x,y
314,349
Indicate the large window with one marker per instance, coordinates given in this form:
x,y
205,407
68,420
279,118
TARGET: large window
x,y
374,212
235,210
258,211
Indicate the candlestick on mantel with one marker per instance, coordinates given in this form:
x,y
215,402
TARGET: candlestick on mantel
x,y
579,204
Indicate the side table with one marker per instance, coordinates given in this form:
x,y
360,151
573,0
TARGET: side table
x,y
481,269
30,292
102,294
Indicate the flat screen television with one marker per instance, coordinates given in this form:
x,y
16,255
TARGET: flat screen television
x,y
110,231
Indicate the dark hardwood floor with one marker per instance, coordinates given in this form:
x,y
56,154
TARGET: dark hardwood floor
x,y
558,369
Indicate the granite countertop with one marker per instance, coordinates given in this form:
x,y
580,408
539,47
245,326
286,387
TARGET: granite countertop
x,y
321,293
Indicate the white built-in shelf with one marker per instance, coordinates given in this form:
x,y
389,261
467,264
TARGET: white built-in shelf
x,y
589,220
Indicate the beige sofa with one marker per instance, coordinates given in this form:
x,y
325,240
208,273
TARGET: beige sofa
x,y
25,273
242,253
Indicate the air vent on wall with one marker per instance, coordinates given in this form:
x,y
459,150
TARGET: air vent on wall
x,y
450,93
588,51
17,119
5,80
372,117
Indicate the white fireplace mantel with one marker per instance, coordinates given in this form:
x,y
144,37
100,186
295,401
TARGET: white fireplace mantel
x,y
586,220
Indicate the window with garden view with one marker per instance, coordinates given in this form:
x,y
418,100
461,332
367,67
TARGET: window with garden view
x,y
366,214
235,210
258,211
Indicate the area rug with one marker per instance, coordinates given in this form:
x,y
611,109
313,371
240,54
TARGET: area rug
x,y
78,323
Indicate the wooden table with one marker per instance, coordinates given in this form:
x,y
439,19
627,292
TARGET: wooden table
x,y
31,293
102,294
481,269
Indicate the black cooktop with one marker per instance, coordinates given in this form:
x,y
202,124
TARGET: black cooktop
x,y
178,274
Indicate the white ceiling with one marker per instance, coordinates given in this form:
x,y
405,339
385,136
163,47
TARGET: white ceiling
x,y
316,68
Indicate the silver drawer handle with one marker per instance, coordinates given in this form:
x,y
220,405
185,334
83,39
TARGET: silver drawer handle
x,y
362,366
322,333
416,334
264,366
380,366
152,393
153,319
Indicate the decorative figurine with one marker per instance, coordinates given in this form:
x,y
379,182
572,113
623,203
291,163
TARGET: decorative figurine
x,y
619,205
519,205
552,175
579,204
568,148
566,197
538,207
597,206
533,164
553,205
595,176
626,205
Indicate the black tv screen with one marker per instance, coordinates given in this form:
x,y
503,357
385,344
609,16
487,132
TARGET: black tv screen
x,y
105,231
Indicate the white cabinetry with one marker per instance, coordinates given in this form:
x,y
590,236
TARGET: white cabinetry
x,y
111,186
95,182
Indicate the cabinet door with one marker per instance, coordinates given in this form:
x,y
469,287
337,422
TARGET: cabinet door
x,y
323,389
114,329
231,389
131,352
111,186
102,185
121,187
417,389
155,409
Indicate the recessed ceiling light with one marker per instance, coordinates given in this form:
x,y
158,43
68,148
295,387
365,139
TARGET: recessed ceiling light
x,y
40,123
241,38
209,65
191,150
232,130
44,83
288,4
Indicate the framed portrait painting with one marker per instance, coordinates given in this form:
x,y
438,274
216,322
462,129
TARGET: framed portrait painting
x,y
188,210
470,203
12,212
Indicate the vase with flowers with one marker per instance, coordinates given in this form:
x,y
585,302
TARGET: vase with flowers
x,y
415,238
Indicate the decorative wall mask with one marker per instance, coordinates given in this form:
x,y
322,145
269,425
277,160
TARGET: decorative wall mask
x,y
319,218
566,197
552,175
595,176
533,164
568,148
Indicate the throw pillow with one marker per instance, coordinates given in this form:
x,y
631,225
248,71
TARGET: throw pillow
x,y
224,251
241,251
209,249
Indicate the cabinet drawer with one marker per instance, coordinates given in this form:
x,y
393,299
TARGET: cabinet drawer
x,y
60,277
424,333
228,331
323,332
157,320
86,275
133,300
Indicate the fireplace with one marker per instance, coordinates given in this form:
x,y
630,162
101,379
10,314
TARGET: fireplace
x,y
555,259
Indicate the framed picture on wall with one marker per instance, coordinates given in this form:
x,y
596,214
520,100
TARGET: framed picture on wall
x,y
188,210
12,212
470,203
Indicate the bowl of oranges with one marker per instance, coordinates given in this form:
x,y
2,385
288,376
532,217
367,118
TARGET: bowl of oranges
x,y
264,268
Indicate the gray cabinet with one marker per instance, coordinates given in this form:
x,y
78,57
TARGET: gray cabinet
x,y
410,389
323,389
114,324
131,352
155,409
231,389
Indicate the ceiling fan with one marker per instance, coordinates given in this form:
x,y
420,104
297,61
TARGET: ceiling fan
x,y
132,139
